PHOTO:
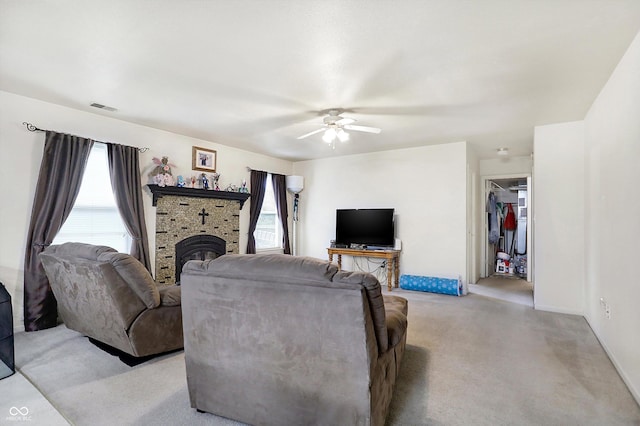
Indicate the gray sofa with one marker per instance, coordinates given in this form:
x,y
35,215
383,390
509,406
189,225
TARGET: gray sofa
x,y
283,340
112,298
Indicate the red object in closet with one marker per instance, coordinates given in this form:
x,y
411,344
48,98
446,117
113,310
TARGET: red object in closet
x,y
510,219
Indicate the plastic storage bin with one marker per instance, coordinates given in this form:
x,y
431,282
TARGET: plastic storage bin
x,y
7,359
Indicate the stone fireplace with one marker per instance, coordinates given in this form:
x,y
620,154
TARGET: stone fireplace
x,y
193,224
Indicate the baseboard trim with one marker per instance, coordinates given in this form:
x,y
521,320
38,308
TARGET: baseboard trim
x,y
625,378
18,325
556,309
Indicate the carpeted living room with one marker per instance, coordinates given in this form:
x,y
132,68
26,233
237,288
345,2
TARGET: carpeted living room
x,y
284,212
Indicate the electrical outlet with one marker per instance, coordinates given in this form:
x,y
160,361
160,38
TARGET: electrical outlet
x,y
606,308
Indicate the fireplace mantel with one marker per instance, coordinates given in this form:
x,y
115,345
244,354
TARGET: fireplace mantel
x,y
159,191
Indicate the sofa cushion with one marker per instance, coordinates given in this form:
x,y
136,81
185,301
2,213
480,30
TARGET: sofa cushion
x,y
135,275
257,267
170,295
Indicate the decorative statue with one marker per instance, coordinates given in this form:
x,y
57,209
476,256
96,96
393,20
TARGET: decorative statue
x,y
243,188
162,169
181,182
215,177
158,180
205,182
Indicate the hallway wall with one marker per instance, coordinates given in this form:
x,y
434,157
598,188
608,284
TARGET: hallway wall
x,y
559,217
612,222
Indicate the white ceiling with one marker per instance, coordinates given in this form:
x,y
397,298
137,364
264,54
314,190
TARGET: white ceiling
x,y
255,74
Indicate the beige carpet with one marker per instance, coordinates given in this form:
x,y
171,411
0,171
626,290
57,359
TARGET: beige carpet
x,y
470,360
20,401
505,287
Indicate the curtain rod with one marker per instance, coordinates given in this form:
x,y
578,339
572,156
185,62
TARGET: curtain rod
x,y
249,169
30,127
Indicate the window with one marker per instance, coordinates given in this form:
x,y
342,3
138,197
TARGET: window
x,y
268,233
94,218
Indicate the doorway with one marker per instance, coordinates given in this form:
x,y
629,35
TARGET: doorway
x,y
506,247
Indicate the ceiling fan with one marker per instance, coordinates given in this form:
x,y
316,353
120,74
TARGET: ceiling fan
x,y
334,128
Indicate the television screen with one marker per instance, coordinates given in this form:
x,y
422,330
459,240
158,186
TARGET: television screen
x,y
369,227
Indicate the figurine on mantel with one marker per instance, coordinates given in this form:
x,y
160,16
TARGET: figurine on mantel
x,y
180,183
161,174
205,181
215,177
243,188
164,180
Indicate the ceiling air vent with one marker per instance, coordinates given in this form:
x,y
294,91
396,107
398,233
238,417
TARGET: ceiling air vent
x,y
104,107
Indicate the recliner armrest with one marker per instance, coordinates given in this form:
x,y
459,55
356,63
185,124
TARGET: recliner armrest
x,y
396,318
396,327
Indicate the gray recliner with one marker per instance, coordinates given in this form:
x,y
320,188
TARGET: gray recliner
x,y
284,340
112,298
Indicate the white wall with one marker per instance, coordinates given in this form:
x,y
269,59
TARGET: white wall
x,y
21,153
474,216
426,186
558,199
506,166
612,128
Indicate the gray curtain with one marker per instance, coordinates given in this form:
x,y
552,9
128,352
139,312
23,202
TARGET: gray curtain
x,y
258,188
280,193
63,164
124,170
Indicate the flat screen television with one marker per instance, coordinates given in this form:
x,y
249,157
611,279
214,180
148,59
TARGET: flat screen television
x,y
368,227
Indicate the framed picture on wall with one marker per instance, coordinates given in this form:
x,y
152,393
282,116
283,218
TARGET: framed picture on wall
x,y
204,159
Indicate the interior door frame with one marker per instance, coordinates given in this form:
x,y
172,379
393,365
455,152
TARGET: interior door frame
x,y
484,247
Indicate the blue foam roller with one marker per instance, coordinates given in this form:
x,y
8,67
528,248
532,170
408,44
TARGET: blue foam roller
x,y
432,284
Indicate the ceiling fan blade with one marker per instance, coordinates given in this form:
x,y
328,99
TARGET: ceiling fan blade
x,y
345,121
363,129
310,133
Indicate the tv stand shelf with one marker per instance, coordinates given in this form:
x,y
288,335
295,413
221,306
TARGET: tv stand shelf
x,y
392,257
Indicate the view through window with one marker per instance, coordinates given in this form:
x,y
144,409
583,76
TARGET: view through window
x,y
268,233
94,218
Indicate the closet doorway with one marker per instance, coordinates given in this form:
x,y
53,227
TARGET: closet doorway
x,y
506,270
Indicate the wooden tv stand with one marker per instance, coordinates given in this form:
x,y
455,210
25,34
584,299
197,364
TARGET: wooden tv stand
x,y
392,257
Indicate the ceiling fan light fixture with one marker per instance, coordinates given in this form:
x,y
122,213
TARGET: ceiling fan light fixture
x,y
503,152
337,127
343,136
329,136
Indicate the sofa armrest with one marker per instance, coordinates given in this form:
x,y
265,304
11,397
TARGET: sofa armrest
x,y
396,303
396,327
396,309
170,295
